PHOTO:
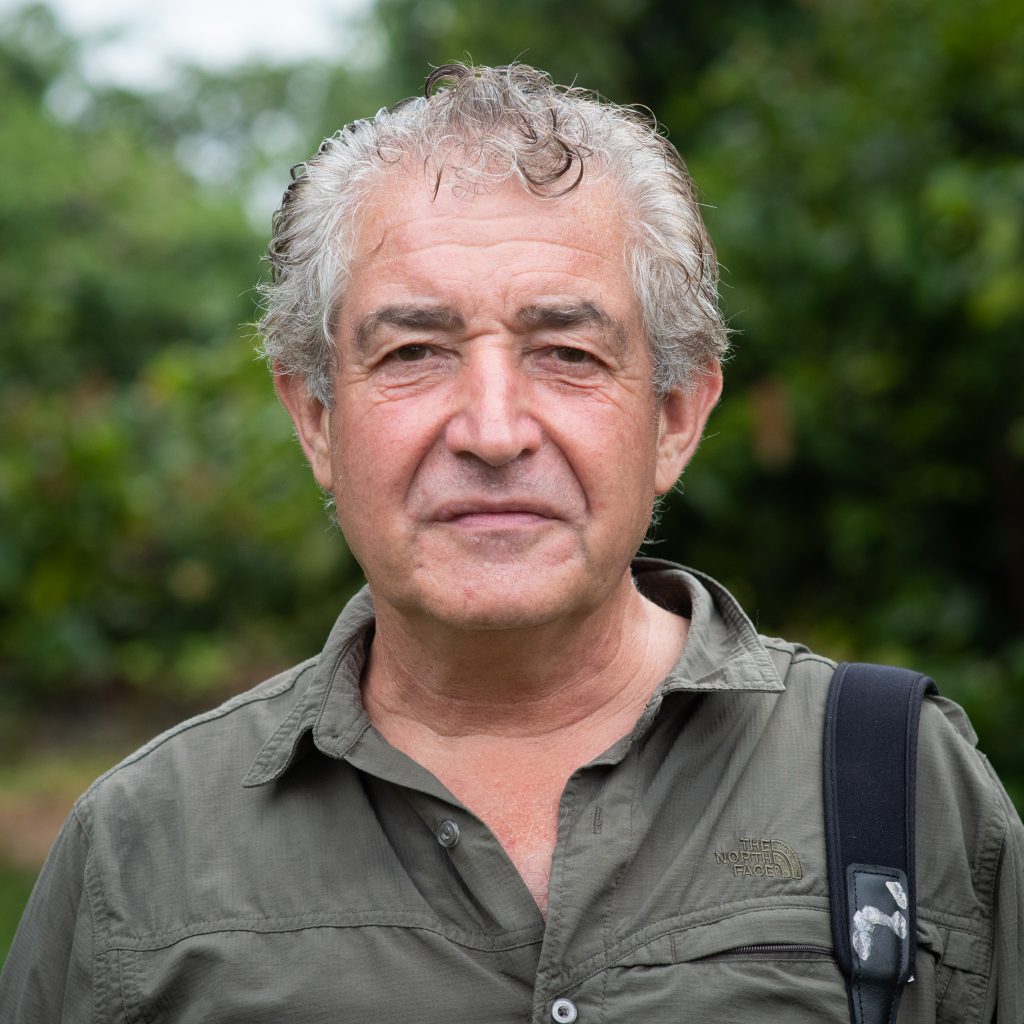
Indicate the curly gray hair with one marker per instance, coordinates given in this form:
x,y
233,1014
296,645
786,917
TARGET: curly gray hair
x,y
475,128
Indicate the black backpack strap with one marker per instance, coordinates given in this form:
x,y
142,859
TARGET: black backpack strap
x,y
870,782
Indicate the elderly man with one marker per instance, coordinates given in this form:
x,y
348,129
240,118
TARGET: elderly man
x,y
529,778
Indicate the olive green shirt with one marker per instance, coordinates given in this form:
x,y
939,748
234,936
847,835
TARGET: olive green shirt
x,y
276,860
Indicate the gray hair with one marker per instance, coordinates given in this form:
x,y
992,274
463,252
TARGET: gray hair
x,y
473,129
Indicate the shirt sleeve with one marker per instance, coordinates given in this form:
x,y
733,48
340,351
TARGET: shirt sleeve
x,y
47,975
1008,968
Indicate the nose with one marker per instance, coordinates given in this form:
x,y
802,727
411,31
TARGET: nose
x,y
493,420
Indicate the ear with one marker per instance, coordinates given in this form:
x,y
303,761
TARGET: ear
x,y
312,423
681,420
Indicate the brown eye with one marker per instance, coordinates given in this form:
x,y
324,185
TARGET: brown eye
x,y
411,353
570,355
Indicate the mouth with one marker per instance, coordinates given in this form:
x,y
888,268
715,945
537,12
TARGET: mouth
x,y
500,515
498,521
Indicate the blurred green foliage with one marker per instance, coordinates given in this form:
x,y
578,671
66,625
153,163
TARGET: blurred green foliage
x,y
15,888
160,530
862,486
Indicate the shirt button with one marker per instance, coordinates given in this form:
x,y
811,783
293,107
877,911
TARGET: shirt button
x,y
563,1011
447,833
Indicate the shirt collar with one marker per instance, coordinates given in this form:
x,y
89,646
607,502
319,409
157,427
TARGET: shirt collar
x,y
330,708
723,652
723,649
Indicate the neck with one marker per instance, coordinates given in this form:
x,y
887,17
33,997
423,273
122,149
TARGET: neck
x,y
520,683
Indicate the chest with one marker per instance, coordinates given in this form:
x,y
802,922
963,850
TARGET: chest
x,y
662,898
527,830
521,811
637,924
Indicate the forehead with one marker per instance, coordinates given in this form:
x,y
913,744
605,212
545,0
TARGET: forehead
x,y
503,239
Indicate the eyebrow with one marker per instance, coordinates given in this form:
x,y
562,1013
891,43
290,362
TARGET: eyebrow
x,y
574,314
423,318
563,316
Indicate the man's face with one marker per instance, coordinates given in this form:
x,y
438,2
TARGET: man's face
x,y
495,445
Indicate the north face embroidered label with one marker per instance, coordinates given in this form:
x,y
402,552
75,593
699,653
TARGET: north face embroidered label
x,y
761,858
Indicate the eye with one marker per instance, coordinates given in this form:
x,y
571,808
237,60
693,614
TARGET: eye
x,y
411,353
566,354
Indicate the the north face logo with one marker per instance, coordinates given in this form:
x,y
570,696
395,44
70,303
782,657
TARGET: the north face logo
x,y
761,858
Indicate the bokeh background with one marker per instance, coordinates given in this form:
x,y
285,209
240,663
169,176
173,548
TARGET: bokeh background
x,y
862,484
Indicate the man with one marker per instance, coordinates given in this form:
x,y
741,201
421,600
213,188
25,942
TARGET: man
x,y
529,777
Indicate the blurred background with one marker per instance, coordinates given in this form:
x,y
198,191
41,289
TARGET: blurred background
x,y
163,546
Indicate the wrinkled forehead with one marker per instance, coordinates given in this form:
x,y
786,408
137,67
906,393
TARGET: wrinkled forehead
x,y
483,256
417,194
501,253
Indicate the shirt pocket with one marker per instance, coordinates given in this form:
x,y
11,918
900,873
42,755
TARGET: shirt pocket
x,y
798,984
767,965
316,975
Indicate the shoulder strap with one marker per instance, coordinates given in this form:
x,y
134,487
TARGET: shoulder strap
x,y
870,785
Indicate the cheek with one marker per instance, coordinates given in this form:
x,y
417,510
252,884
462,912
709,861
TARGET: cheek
x,y
378,450
614,459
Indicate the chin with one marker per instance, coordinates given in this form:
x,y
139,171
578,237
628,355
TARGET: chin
x,y
501,598
498,616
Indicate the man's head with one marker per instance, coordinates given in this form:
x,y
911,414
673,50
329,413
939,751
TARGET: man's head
x,y
474,129
472,376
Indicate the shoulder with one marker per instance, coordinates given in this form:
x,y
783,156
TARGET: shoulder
x,y
198,756
969,843
164,828
967,830
964,821
970,870
961,804
948,756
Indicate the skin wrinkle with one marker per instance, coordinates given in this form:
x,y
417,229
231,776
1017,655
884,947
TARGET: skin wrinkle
x,y
468,477
409,317
518,790
532,318
429,263
494,487
485,129
511,711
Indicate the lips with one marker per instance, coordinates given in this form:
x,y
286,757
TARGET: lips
x,y
506,511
